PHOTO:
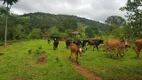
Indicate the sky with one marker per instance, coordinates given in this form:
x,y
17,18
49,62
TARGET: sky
x,y
97,10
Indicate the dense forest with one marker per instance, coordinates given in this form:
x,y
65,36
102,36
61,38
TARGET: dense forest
x,y
36,25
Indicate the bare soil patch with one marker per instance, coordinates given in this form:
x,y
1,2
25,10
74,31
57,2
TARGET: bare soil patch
x,y
85,72
42,60
20,78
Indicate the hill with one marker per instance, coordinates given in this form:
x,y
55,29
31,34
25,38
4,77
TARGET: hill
x,y
36,25
53,20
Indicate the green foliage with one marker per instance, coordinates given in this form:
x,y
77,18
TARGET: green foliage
x,y
127,31
91,31
115,20
81,29
19,33
70,23
117,32
21,26
2,10
9,2
1,28
53,31
134,15
35,34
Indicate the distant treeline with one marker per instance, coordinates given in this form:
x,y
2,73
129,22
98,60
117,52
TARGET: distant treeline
x,y
44,25
38,25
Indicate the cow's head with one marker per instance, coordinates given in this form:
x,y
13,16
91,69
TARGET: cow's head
x,y
127,43
80,51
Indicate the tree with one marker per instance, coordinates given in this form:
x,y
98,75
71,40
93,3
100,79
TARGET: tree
x,y
36,34
134,15
70,23
8,3
91,31
115,20
2,12
53,31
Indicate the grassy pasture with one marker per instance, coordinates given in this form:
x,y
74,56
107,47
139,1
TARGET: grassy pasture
x,y
17,63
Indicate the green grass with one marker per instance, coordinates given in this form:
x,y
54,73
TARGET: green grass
x,y
18,63
109,67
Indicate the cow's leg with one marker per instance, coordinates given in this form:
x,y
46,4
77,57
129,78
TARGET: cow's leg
x,y
119,52
57,47
94,47
76,55
97,48
70,55
67,46
138,52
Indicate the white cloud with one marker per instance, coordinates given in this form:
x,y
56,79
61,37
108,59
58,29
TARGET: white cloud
x,y
92,9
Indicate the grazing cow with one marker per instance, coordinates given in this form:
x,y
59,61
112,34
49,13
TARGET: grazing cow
x,y
75,49
68,42
138,44
118,45
95,43
55,43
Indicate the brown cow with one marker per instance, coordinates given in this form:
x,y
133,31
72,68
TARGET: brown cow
x,y
75,49
138,44
117,45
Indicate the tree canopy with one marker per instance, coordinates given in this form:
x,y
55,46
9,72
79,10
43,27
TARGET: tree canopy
x,y
115,20
134,15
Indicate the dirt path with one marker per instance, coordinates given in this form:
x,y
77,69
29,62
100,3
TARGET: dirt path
x,y
85,72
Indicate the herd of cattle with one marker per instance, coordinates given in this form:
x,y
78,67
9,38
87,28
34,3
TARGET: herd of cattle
x,y
118,45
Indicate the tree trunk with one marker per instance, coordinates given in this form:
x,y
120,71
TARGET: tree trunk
x,y
6,20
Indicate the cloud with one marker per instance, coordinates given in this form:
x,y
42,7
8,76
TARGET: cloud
x,y
97,10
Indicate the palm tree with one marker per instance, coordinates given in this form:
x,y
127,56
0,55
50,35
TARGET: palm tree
x,y
8,3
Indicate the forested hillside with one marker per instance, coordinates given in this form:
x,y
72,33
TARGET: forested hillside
x,y
36,25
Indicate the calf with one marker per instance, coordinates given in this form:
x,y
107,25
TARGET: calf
x,y
118,45
55,43
75,49
138,44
